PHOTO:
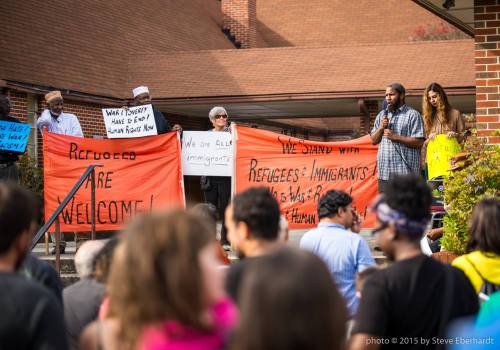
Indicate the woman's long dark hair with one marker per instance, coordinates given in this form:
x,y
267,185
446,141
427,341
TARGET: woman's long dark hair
x,y
430,112
484,231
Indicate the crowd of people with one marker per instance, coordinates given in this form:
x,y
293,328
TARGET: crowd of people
x,y
162,283
166,282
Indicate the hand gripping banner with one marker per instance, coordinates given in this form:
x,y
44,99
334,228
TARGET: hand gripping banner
x,y
138,175
299,171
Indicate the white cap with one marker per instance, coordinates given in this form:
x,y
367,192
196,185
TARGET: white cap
x,y
140,90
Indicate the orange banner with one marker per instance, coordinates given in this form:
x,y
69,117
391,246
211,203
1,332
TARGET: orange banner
x,y
138,175
299,171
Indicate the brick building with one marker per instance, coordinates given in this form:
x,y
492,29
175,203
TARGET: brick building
x,y
315,68
487,63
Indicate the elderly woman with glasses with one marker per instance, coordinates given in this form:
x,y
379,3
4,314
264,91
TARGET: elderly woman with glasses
x,y
217,189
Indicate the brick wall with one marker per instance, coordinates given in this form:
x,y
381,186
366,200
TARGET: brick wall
x,y
240,18
19,105
373,109
23,108
487,53
189,123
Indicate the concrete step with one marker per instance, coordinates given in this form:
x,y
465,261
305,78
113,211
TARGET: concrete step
x,y
67,263
68,270
40,251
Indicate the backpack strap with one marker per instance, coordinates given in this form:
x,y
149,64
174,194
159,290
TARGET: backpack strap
x,y
475,268
487,287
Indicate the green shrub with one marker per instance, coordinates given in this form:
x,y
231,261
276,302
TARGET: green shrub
x,y
30,175
465,188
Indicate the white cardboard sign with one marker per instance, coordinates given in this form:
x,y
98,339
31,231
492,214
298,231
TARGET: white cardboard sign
x,y
207,153
124,123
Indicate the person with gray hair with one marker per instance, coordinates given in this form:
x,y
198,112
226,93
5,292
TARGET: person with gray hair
x,y
85,256
219,118
217,189
399,129
83,298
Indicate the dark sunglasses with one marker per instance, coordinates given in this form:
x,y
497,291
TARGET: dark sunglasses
x,y
219,116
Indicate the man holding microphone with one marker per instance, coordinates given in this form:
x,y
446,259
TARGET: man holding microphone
x,y
399,130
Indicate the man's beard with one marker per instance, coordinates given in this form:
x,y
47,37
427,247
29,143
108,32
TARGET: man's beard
x,y
392,107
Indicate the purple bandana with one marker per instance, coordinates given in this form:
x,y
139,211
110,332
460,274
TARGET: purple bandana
x,y
387,215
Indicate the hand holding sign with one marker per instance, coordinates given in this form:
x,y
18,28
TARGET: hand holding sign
x,y
130,122
14,136
207,153
439,152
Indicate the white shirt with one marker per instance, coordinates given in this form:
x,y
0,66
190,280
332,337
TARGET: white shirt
x,y
65,124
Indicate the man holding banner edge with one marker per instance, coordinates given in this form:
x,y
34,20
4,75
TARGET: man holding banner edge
x,y
143,97
55,120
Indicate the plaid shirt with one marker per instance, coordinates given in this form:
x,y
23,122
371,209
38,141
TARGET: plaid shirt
x,y
394,157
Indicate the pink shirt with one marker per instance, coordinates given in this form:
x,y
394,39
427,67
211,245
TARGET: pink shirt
x,y
171,335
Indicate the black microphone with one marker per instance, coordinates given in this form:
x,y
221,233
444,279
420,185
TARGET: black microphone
x,y
386,115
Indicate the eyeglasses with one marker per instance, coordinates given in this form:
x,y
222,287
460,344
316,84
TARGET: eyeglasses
x,y
219,116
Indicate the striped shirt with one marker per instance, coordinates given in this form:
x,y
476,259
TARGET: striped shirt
x,y
393,157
